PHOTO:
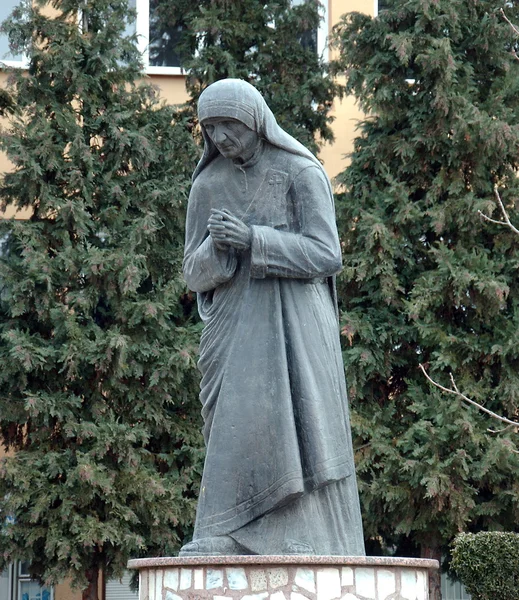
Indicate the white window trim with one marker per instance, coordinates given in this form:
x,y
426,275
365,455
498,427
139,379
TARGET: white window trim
x,y
142,27
323,33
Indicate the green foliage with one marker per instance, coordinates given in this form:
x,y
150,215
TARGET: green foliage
x,y
98,389
488,564
425,280
270,44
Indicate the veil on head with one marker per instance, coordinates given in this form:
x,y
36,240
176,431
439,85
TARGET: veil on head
x,y
238,99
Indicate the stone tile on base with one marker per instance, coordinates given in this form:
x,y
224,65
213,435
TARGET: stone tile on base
x,y
158,584
365,583
346,576
151,584
386,584
350,597
143,585
422,585
328,584
236,578
277,596
261,596
185,579
305,578
258,580
278,577
214,579
408,584
297,596
198,576
171,579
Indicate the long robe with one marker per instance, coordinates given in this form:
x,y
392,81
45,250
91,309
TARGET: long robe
x,y
279,457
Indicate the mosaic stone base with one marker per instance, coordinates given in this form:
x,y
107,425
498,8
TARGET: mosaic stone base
x,y
283,578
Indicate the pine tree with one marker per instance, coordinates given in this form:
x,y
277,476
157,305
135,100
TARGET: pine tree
x,y
271,44
426,280
98,387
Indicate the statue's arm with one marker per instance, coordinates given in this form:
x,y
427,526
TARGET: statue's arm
x,y
315,251
205,266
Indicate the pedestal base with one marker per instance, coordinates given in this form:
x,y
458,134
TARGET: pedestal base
x,y
283,578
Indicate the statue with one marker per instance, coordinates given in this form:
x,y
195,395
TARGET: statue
x,y
261,252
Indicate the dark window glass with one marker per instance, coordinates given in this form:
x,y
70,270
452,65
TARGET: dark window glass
x,y
164,40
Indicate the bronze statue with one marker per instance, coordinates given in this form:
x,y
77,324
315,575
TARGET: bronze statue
x,y
261,252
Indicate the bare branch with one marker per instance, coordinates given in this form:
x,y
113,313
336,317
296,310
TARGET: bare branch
x,y
456,392
514,28
506,219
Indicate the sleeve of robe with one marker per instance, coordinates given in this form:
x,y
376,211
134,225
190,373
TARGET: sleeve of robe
x,y
205,266
315,250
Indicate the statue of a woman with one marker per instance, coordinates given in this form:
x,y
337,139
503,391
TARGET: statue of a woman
x,y
261,252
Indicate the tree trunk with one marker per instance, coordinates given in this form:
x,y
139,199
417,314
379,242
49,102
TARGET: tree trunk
x,y
91,592
435,590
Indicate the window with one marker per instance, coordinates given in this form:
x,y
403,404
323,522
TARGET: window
x,y
16,584
317,38
158,45
6,8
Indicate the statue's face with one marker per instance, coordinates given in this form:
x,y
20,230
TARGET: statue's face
x,y
232,138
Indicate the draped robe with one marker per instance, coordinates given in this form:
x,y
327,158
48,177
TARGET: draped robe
x,y
273,392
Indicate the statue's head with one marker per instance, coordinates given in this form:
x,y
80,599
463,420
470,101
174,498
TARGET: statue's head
x,y
236,108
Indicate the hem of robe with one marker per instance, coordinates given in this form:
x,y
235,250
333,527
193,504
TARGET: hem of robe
x,y
285,490
328,520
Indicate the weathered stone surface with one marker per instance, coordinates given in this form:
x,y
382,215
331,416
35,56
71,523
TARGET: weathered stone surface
x,y
261,208
151,583
422,585
408,584
261,596
258,580
170,596
214,579
198,579
159,579
143,585
305,578
278,577
297,596
347,576
386,583
171,579
328,584
365,583
237,579
185,579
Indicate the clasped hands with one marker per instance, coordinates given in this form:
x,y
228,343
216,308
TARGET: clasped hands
x,y
227,230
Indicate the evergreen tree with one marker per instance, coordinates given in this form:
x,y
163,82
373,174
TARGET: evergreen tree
x,y
98,387
426,281
271,44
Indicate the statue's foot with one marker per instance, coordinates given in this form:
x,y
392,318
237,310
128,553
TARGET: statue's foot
x,y
295,547
222,545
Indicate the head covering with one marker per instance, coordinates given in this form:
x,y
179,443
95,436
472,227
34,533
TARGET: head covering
x,y
237,99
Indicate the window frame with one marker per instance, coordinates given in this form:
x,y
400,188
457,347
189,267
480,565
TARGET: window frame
x,y
23,62
142,29
15,579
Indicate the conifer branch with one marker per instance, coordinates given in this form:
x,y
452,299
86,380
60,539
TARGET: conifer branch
x,y
454,390
506,219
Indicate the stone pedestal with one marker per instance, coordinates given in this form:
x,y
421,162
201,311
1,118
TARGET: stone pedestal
x,y
283,578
